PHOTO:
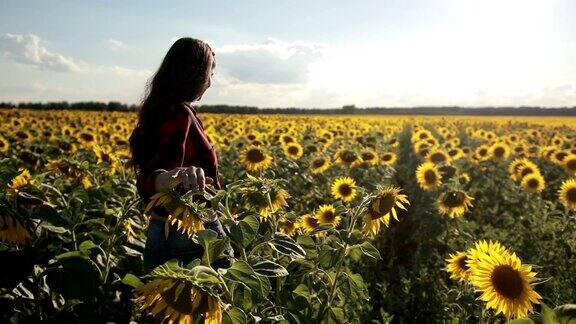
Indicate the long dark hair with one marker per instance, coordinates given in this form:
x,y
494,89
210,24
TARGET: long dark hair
x,y
182,76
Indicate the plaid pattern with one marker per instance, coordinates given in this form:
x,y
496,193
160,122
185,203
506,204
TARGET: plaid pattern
x,y
182,142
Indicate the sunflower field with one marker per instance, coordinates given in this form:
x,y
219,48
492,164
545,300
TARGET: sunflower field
x,y
333,219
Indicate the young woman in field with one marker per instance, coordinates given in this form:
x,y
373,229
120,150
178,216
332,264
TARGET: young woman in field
x,y
170,148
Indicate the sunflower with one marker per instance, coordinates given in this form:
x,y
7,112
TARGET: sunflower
x,y
533,182
456,154
567,194
381,207
87,138
172,300
369,157
278,200
287,226
308,222
327,215
504,283
12,231
483,247
464,178
255,158
428,176
569,163
482,152
515,166
178,214
105,154
4,145
438,156
454,203
499,151
388,158
293,150
527,169
344,188
20,181
319,164
348,158
457,266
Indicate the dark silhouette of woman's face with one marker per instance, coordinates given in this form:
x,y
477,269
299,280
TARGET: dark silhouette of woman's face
x,y
210,73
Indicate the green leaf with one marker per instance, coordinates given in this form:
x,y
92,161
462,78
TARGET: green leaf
x,y
286,245
566,314
308,244
322,228
269,269
75,277
548,316
370,251
524,320
329,256
337,315
131,280
49,214
213,246
244,232
299,268
54,229
234,315
242,273
86,246
302,290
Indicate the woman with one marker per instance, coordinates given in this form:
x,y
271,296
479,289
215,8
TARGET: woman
x,y
170,149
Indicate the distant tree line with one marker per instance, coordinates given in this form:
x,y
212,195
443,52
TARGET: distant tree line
x,y
347,109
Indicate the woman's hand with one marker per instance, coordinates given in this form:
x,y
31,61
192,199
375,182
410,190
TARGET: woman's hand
x,y
191,178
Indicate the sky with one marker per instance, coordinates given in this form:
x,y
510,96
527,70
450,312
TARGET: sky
x,y
300,53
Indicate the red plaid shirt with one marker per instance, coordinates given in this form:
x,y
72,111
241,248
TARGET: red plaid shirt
x,y
182,142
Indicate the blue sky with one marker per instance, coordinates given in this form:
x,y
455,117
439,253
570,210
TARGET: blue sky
x,y
298,53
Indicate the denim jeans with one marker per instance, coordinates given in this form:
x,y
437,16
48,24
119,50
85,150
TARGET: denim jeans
x,y
160,249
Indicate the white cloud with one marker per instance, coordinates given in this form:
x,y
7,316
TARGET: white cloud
x,y
115,45
30,51
270,62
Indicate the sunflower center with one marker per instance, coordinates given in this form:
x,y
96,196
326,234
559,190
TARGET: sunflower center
x,y
386,157
499,152
311,222
430,176
454,199
438,157
533,183
181,302
385,204
462,263
560,156
507,281
526,171
348,157
571,195
328,216
571,164
367,156
345,190
293,150
87,137
255,156
318,163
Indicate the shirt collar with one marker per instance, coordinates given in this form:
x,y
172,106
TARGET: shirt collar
x,y
192,108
